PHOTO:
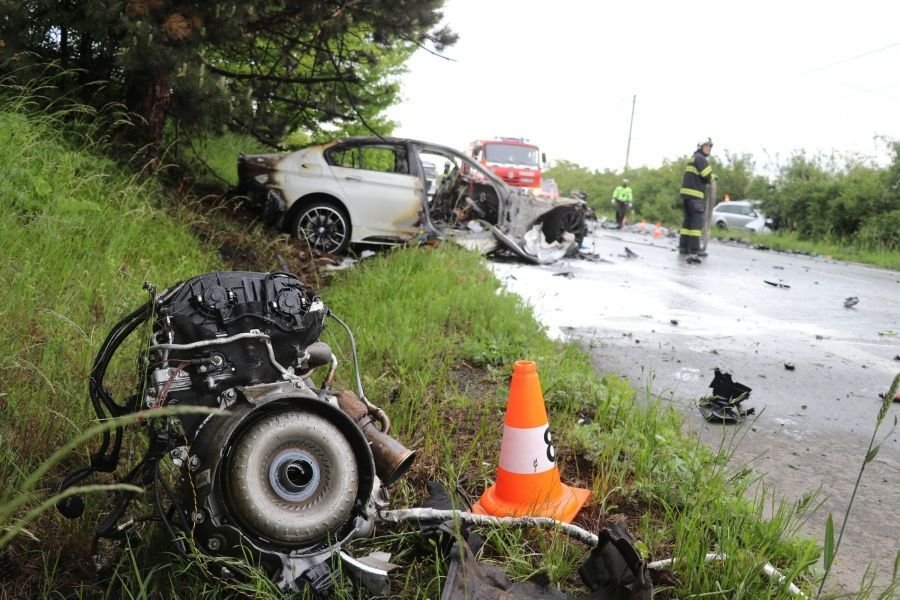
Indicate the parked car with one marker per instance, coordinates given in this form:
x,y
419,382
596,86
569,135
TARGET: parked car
x,y
741,214
376,190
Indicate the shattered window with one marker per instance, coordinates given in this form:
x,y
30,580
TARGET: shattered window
x,y
344,156
384,159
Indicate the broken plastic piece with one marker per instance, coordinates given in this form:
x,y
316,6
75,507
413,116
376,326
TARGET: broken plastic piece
x,y
615,569
789,366
851,302
468,578
723,386
777,284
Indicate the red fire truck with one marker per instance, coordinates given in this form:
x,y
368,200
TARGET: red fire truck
x,y
516,161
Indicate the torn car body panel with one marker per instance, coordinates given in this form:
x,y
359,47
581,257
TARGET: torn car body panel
x,y
377,190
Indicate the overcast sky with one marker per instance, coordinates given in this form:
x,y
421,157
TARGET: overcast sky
x,y
765,77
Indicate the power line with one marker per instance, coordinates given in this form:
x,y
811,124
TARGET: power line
x,y
846,60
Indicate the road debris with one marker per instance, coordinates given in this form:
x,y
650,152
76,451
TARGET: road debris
x,y
566,274
629,253
724,406
673,321
851,302
887,333
778,284
614,568
789,366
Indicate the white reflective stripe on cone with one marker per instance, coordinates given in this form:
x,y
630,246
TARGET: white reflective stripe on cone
x,y
527,451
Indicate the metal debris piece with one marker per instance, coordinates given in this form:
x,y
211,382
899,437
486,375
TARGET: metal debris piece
x,y
851,302
566,274
777,284
724,406
629,253
789,366
673,321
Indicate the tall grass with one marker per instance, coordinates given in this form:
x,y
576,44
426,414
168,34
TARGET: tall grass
x,y
212,160
78,236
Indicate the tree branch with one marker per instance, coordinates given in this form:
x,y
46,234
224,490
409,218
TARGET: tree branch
x,y
280,79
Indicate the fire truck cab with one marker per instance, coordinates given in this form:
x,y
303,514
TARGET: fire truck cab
x,y
514,160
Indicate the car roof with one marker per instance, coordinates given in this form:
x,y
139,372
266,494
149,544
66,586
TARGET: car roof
x,y
741,203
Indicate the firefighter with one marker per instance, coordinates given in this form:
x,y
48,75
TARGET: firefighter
x,y
697,174
621,197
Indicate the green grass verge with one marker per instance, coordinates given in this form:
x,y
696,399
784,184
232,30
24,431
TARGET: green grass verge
x,y
788,241
78,237
437,339
213,160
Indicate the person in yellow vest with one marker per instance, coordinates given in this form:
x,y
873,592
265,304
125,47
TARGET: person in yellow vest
x,y
697,174
622,199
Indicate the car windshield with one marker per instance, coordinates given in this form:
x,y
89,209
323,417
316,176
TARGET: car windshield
x,y
512,154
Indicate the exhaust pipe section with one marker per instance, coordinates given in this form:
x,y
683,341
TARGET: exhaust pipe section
x,y
392,459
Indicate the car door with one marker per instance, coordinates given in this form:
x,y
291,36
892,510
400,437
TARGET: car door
x,y
744,215
382,196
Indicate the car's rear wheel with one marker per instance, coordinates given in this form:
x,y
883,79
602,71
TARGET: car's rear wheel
x,y
722,225
324,226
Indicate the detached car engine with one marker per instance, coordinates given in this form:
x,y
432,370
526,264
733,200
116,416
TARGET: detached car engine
x,y
284,471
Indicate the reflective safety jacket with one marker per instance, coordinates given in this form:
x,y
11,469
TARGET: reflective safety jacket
x,y
622,194
697,174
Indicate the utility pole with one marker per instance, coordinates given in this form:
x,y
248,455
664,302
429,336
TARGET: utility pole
x,y
630,125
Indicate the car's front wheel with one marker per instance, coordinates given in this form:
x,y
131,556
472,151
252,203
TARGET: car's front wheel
x,y
324,226
722,225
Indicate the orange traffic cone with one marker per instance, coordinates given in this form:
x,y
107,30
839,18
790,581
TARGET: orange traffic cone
x,y
528,480
643,225
657,231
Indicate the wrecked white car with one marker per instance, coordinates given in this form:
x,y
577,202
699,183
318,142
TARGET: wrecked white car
x,y
376,191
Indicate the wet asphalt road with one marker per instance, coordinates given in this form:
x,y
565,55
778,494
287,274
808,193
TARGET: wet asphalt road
x,y
815,421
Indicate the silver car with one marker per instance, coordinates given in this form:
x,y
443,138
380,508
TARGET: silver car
x,y
742,215
386,191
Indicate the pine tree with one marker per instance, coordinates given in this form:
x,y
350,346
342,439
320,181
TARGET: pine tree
x,y
267,68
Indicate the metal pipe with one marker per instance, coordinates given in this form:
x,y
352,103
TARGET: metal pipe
x,y
381,415
392,459
252,334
